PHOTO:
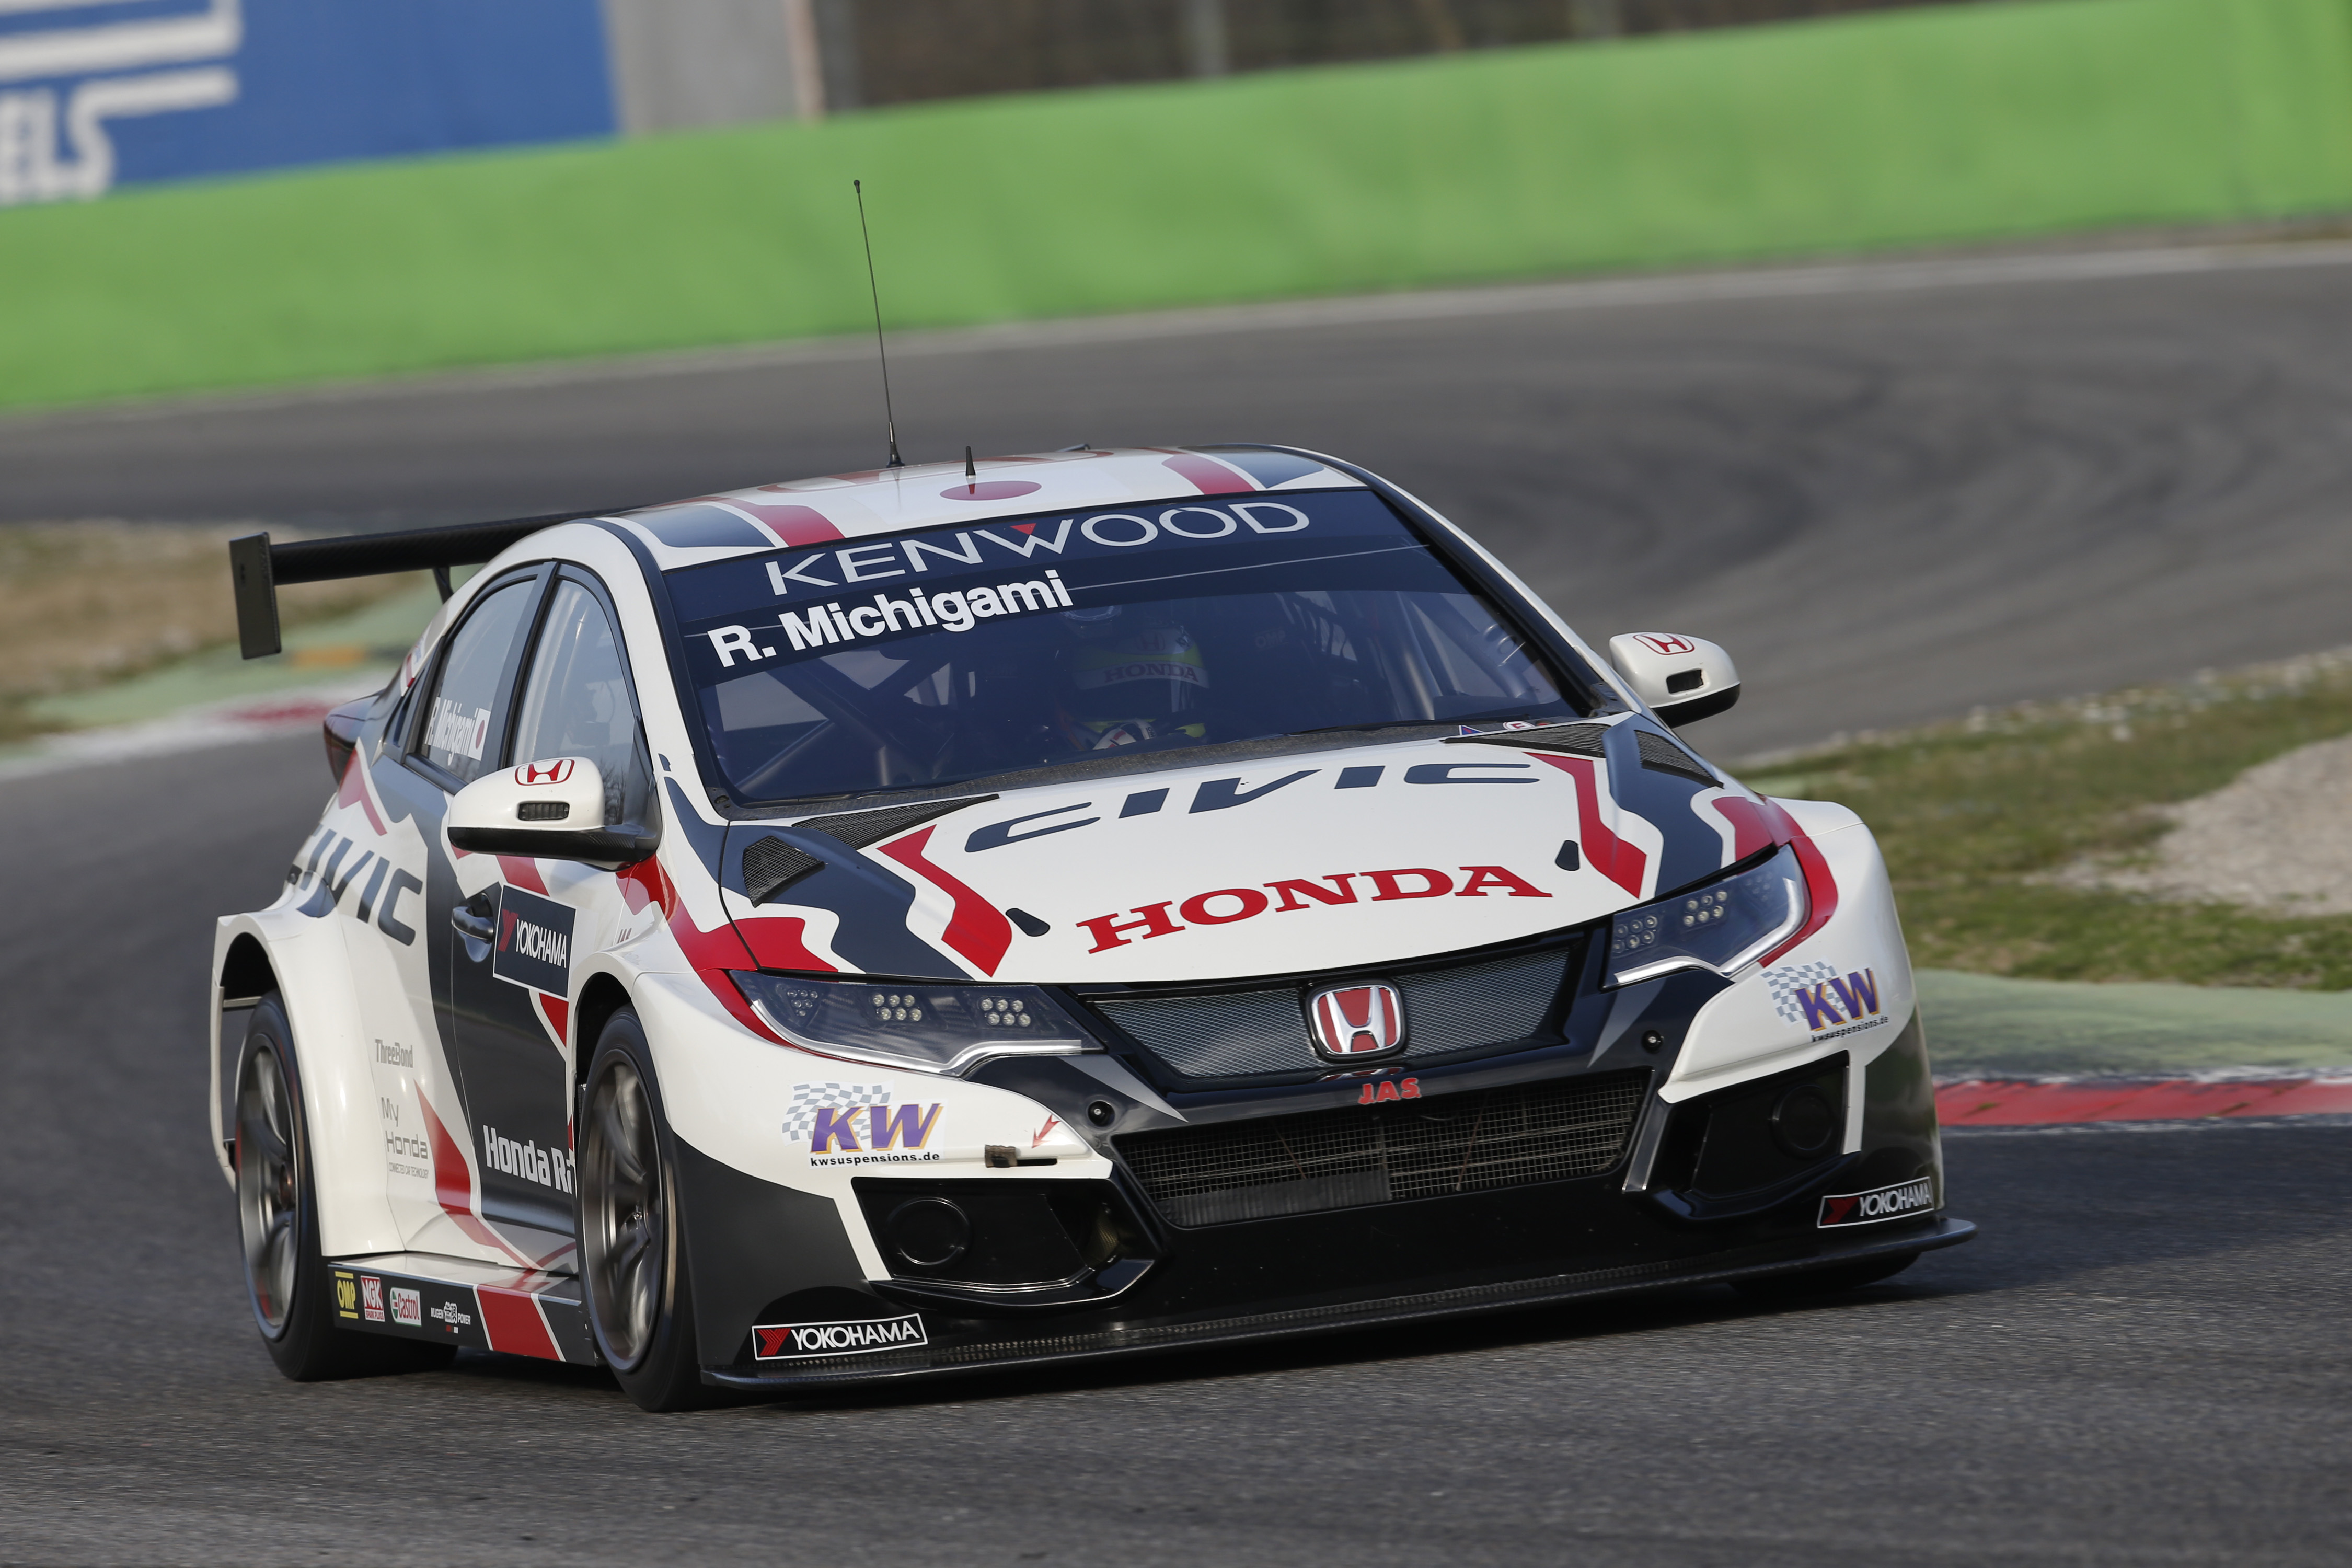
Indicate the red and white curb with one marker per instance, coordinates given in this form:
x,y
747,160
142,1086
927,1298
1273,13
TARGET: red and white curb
x,y
190,730
2073,1101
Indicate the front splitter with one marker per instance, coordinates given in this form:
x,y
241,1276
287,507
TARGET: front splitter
x,y
965,1358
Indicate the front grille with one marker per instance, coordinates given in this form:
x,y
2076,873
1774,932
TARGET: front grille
x,y
1246,1034
1415,1149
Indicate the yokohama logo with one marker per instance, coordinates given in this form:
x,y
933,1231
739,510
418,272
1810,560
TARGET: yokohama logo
x,y
1903,1199
789,1341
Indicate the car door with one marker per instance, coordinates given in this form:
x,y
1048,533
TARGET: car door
x,y
516,943
453,733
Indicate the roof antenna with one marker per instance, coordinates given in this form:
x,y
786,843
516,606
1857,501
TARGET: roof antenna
x,y
971,472
889,420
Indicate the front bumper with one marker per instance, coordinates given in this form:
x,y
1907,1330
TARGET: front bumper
x,y
986,1345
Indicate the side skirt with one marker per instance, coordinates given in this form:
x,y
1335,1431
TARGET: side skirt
x,y
453,1301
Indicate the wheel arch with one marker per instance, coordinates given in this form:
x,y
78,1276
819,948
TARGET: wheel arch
x,y
604,995
309,968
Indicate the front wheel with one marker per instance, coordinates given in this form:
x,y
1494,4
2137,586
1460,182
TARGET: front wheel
x,y
640,1301
278,1219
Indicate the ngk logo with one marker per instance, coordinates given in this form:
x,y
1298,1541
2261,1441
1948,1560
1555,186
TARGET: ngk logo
x,y
1352,1021
553,772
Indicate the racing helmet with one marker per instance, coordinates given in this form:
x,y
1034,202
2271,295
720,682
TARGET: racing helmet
x,y
1130,677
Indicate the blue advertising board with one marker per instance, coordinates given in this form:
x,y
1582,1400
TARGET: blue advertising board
x,y
94,93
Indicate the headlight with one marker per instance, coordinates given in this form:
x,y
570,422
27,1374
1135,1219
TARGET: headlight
x,y
1721,926
910,1023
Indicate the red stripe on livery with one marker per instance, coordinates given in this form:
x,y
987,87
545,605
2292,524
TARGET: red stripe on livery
x,y
452,1185
1623,863
511,1320
979,930
1208,477
780,941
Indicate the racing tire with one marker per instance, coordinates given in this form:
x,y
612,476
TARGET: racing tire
x,y
1824,1281
285,1278
632,1235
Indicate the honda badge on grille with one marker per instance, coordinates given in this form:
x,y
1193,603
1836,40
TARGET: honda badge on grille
x,y
1352,1023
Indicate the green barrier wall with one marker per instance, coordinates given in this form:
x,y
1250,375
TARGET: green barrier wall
x,y
1892,129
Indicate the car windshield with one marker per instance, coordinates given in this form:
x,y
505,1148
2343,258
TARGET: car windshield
x,y
958,653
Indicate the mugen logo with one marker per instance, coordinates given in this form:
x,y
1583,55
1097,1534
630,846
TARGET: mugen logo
x,y
793,1341
1898,1202
1827,1003
534,945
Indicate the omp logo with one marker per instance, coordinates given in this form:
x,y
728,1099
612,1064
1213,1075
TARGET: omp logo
x,y
545,1167
553,772
786,1342
1878,1204
347,1295
1817,996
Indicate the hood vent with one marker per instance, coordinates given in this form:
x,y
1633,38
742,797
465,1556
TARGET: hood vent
x,y
1663,756
859,829
771,865
1578,739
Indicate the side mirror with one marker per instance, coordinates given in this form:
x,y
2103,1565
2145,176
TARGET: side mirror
x,y
1682,680
551,810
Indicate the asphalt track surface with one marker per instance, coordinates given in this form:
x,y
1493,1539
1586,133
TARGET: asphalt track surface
x,y
1893,492
2142,1360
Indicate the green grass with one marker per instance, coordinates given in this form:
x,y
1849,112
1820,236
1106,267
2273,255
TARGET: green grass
x,y
1972,815
1904,128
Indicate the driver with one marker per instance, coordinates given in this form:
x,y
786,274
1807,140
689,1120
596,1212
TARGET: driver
x,y
1130,679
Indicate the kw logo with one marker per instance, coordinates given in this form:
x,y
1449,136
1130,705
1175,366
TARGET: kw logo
x,y
836,1130
1817,996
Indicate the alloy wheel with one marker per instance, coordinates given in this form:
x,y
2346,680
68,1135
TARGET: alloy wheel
x,y
627,1228
269,1188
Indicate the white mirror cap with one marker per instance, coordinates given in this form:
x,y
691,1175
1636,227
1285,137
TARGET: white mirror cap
x,y
1671,672
558,794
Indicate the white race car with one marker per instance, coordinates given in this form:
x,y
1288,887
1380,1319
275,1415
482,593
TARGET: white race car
x,y
948,917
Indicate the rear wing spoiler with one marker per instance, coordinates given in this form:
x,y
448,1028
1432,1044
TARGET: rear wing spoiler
x,y
256,566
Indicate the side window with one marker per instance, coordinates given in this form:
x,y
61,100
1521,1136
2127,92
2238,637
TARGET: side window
x,y
459,737
576,702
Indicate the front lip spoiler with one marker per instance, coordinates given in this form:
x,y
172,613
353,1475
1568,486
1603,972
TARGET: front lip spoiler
x,y
960,1360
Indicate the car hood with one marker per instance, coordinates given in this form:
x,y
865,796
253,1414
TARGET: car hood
x,y
1325,860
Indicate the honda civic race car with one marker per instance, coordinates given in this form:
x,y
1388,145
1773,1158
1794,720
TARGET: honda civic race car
x,y
953,917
